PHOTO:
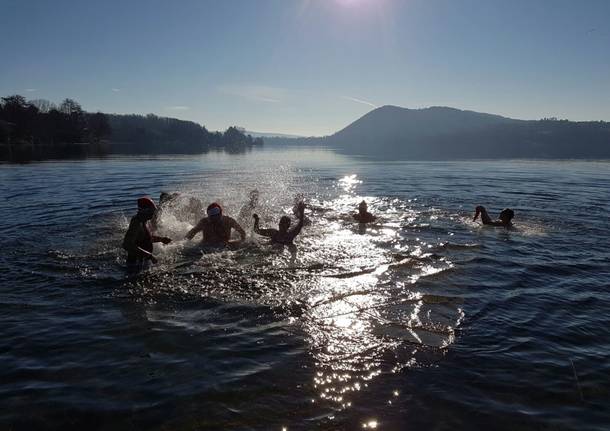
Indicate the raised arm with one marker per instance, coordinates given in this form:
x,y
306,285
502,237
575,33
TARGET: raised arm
x,y
198,228
297,229
263,232
484,216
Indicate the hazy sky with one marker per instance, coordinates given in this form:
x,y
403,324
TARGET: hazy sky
x,y
309,67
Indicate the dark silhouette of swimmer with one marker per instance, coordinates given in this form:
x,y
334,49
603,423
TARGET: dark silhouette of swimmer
x,y
282,235
363,216
216,228
138,239
505,218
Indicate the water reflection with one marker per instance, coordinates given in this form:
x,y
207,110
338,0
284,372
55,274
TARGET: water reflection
x,y
349,182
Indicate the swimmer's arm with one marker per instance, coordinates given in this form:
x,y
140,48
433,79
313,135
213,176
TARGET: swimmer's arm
x,y
193,231
239,229
163,239
147,254
297,229
484,216
263,232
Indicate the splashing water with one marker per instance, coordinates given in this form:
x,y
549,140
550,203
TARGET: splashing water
x,y
349,289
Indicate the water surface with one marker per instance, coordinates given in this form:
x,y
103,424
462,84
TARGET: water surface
x,y
424,320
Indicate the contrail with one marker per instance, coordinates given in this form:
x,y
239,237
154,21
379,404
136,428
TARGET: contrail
x,y
364,102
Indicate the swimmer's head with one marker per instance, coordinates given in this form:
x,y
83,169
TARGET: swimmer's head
x,y
146,207
507,215
165,197
214,211
284,223
362,207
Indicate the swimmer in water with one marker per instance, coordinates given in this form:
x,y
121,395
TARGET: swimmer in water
x,y
282,235
363,216
216,228
138,239
504,220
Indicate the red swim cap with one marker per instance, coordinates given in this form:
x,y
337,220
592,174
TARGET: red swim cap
x,y
214,209
146,202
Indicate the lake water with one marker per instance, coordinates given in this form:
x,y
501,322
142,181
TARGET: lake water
x,y
426,320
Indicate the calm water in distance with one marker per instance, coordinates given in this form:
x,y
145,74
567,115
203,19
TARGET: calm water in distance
x,y
426,320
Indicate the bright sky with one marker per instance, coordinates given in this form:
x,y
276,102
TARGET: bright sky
x,y
309,67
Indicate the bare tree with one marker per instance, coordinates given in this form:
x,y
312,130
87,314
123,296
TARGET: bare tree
x,y
43,105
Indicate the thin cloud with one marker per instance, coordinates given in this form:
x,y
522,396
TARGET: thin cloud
x,y
256,93
116,90
364,102
267,99
30,90
178,108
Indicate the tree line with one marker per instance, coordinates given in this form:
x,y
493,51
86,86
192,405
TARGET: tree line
x,y
40,129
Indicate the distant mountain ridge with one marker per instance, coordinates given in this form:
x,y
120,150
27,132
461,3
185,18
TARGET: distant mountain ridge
x,y
448,133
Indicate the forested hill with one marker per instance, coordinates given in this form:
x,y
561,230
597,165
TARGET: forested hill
x,y
150,134
39,129
447,133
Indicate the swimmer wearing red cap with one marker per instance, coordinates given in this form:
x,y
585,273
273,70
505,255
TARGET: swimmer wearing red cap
x,y
216,228
138,240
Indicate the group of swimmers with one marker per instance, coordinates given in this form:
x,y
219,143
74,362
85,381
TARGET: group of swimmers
x,y
216,228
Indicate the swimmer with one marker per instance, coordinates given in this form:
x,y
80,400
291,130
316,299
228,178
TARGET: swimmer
x,y
363,216
216,228
504,220
282,235
138,240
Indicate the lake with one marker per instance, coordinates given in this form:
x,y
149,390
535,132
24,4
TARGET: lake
x,y
423,320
